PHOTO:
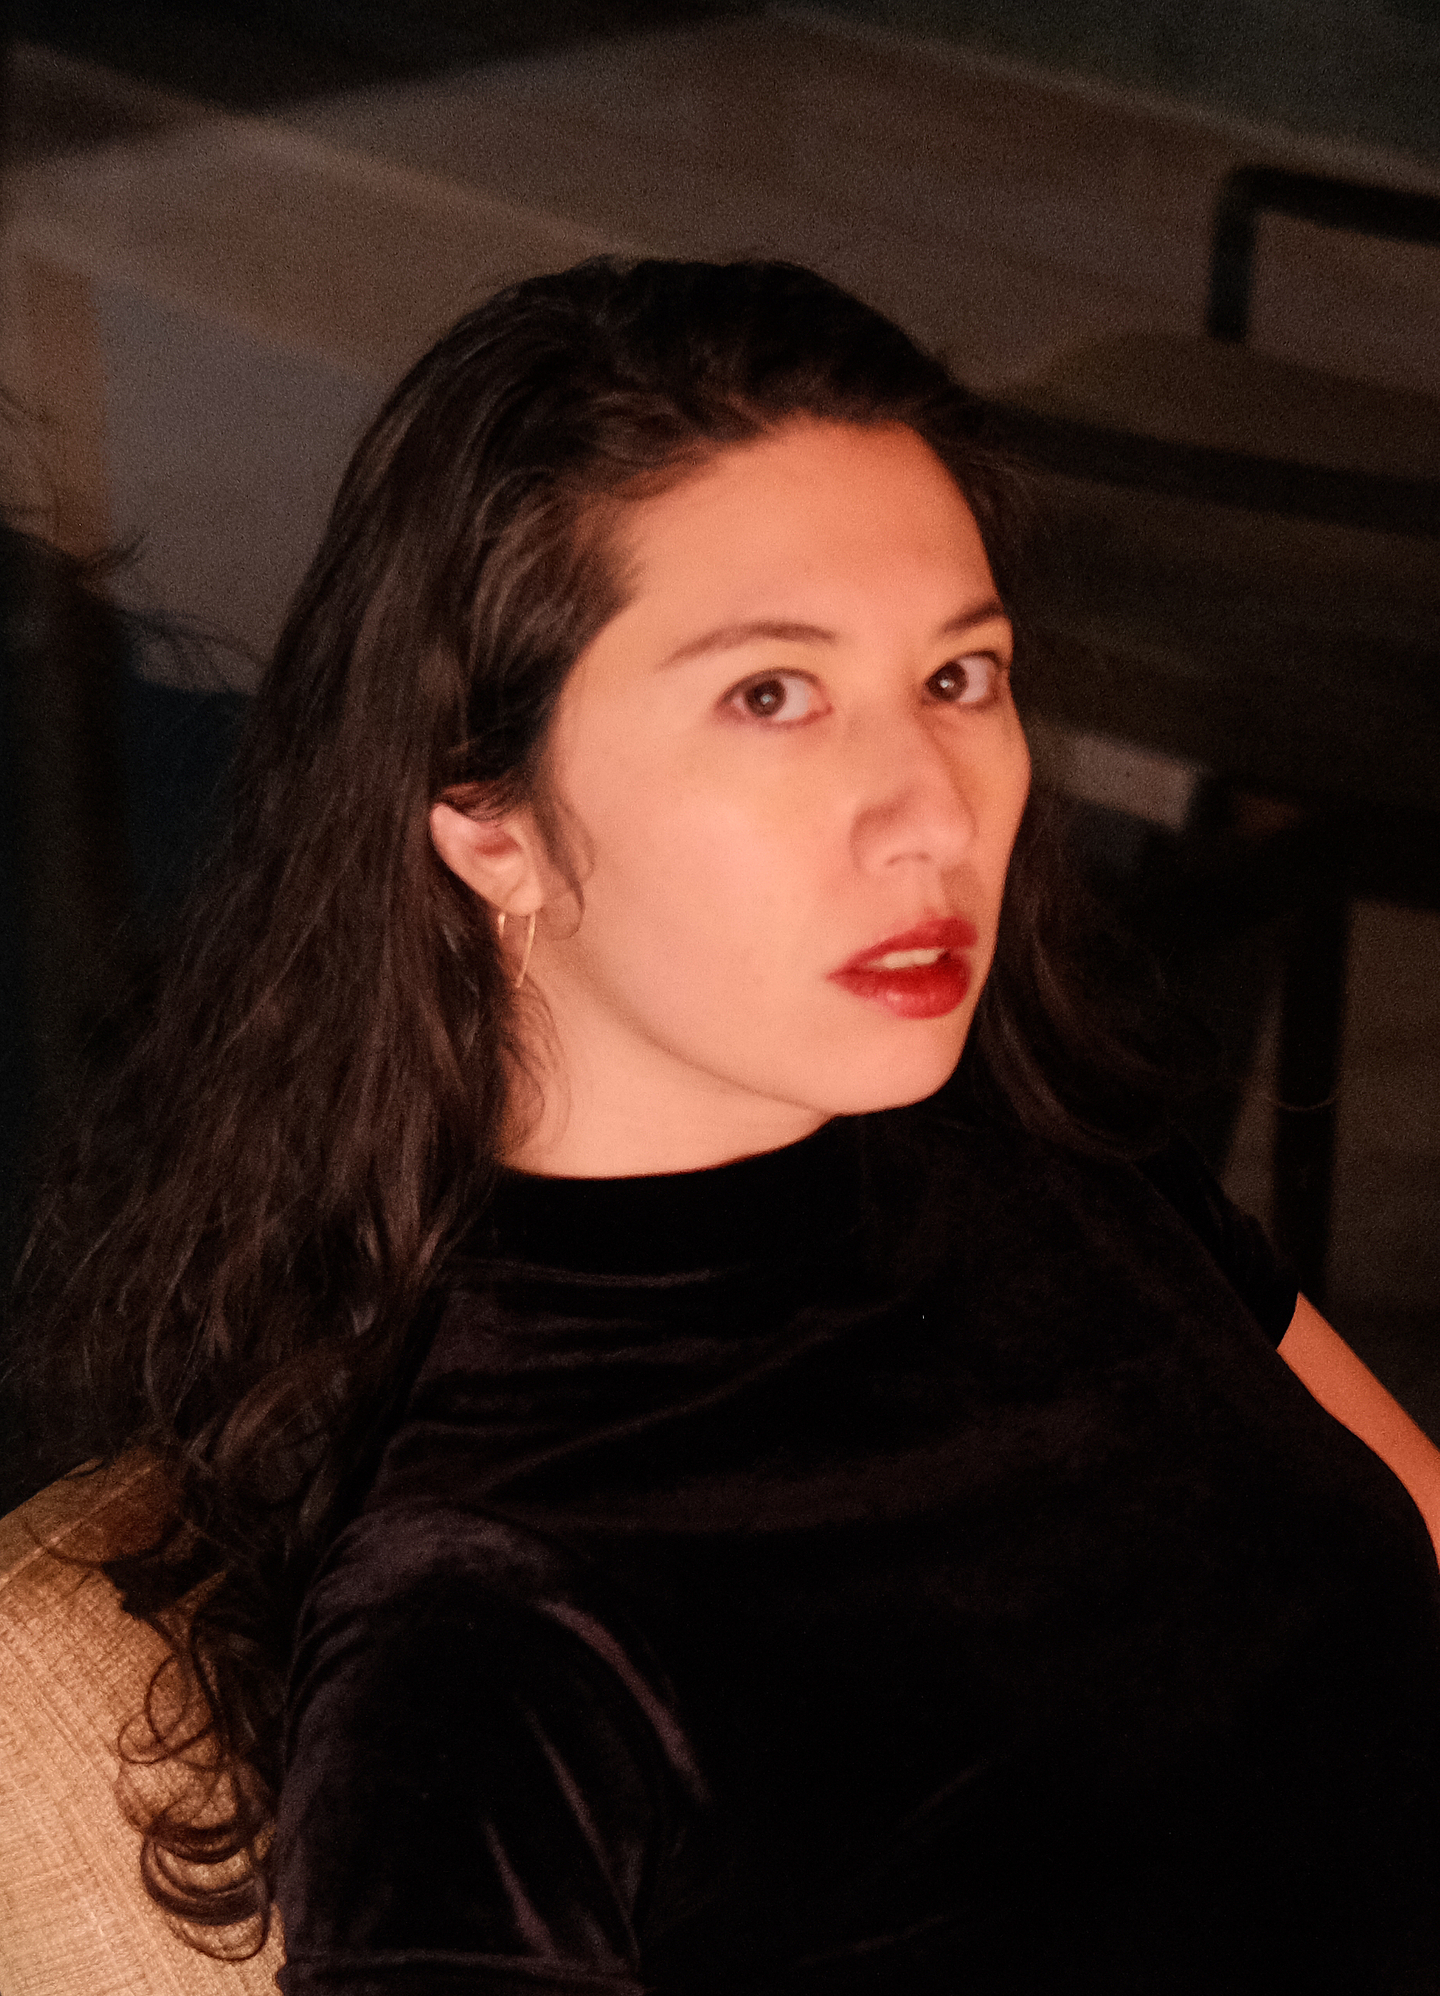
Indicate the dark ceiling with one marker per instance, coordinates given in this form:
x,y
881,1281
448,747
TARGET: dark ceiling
x,y
247,53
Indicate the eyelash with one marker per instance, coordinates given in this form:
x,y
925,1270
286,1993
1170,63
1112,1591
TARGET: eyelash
x,y
995,669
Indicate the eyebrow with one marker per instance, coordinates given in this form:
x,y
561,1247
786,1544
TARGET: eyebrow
x,y
730,637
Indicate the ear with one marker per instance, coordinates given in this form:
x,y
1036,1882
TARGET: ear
x,y
502,859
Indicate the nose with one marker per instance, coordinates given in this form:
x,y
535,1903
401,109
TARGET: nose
x,y
918,803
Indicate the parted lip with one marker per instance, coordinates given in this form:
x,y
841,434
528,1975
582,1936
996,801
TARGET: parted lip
x,y
945,932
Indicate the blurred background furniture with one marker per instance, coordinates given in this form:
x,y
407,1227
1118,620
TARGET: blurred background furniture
x,y
75,1919
1242,570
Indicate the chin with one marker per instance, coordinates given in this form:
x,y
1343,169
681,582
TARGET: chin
x,y
895,1084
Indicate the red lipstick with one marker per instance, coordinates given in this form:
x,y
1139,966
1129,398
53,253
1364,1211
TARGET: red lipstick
x,y
932,982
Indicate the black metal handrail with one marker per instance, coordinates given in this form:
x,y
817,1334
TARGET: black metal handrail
x,y
1076,449
1394,213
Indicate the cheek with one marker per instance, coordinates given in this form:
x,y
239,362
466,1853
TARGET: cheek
x,y
1009,794
697,888
693,870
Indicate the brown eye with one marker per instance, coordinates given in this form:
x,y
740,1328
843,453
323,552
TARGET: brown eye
x,y
965,682
783,696
765,698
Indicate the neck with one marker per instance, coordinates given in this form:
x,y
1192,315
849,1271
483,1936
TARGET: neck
x,y
639,1119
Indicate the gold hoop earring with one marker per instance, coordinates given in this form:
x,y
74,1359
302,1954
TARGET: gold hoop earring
x,y
529,943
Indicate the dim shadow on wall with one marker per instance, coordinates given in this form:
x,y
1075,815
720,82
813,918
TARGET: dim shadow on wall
x,y
109,782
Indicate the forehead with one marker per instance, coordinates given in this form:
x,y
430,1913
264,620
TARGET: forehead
x,y
807,501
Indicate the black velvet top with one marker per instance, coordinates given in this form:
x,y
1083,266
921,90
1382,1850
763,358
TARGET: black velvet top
x,y
896,1564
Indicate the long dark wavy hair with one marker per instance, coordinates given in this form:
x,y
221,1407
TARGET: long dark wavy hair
x,y
238,1258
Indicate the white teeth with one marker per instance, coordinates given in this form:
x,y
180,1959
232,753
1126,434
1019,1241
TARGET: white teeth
x,y
905,959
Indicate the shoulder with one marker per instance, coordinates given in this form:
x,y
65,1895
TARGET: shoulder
x,y
1236,1240
436,1634
1134,1207
469,1731
429,1589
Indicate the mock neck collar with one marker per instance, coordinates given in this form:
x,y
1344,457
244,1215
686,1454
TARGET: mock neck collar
x,y
770,1207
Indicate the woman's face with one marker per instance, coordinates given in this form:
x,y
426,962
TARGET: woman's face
x,y
794,774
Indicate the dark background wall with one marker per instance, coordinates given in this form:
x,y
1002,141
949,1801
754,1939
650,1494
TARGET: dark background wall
x,y
253,52
1362,70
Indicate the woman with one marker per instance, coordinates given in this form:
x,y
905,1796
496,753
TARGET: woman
x,y
746,1499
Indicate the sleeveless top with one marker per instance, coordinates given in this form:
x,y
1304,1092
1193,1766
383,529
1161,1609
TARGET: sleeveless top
x,y
900,1564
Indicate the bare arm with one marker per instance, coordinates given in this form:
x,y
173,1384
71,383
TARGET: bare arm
x,y
1322,1361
